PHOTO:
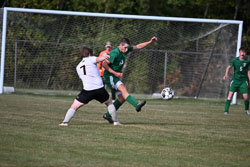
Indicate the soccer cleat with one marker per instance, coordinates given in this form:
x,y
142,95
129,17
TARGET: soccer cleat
x,y
226,113
247,112
140,105
117,123
64,124
108,118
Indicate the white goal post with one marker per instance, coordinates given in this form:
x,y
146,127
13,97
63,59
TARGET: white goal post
x,y
222,23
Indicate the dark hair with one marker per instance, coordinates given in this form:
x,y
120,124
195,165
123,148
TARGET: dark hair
x,y
85,52
243,49
125,41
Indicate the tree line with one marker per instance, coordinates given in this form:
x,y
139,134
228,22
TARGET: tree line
x,y
48,45
212,9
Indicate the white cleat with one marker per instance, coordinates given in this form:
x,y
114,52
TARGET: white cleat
x,y
117,123
226,113
247,112
64,124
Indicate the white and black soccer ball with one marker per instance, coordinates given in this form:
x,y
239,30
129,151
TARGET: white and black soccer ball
x,y
167,93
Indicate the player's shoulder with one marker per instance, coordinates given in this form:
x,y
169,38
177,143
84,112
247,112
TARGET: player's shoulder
x,y
115,51
90,59
235,59
131,48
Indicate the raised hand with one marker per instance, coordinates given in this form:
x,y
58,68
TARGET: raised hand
x,y
153,39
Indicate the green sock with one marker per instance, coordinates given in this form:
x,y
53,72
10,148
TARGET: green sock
x,y
132,101
246,104
113,94
108,114
227,105
117,104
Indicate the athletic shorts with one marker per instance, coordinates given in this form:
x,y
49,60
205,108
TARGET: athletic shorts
x,y
113,83
100,95
242,85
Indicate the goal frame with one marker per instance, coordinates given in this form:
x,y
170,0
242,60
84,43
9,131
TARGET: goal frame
x,y
107,15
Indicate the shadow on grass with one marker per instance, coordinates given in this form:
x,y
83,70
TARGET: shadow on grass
x,y
134,123
160,124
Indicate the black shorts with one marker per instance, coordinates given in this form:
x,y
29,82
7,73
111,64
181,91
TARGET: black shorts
x,y
100,95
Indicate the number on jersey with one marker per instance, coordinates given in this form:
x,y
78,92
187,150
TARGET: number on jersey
x,y
84,69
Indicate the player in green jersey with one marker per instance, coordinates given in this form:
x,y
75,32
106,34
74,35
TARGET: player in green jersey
x,y
113,72
240,79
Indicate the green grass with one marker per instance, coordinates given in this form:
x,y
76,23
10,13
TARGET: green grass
x,y
179,132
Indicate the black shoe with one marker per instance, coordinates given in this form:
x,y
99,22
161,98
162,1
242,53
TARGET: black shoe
x,y
108,118
140,105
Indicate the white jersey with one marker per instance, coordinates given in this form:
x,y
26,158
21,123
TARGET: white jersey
x,y
88,72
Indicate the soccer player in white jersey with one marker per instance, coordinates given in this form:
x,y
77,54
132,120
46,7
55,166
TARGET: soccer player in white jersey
x,y
93,87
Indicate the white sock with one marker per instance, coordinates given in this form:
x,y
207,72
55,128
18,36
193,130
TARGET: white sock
x,y
113,112
69,115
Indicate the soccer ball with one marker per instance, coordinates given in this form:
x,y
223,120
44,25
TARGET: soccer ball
x,y
167,93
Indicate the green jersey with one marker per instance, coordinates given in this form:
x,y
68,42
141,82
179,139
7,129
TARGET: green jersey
x,y
240,69
117,60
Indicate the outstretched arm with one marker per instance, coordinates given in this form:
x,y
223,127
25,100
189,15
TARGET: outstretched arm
x,y
227,71
102,58
144,44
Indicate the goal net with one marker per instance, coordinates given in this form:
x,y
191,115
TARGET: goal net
x,y
42,51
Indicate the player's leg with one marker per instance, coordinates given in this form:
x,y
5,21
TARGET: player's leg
x,y
228,102
102,96
113,95
244,91
113,83
130,99
112,111
119,101
117,104
71,112
233,88
246,102
81,99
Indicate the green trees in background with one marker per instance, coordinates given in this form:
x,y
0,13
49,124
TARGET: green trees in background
x,y
59,63
214,9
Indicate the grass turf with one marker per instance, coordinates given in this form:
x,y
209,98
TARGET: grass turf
x,y
179,132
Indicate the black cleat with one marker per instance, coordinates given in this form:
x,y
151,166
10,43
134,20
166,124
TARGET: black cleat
x,y
108,118
140,105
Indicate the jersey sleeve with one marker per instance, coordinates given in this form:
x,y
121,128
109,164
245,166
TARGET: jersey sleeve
x,y
232,63
131,48
112,57
248,65
93,59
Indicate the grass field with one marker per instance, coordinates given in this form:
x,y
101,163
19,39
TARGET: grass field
x,y
179,132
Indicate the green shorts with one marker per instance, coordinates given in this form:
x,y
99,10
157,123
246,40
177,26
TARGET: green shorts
x,y
112,82
243,85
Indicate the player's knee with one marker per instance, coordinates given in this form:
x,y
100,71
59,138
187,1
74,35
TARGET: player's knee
x,y
76,105
245,96
108,102
121,99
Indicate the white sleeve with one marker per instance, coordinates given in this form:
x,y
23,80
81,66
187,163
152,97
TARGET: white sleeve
x,y
93,59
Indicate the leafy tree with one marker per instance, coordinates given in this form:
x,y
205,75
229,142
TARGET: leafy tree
x,y
67,31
